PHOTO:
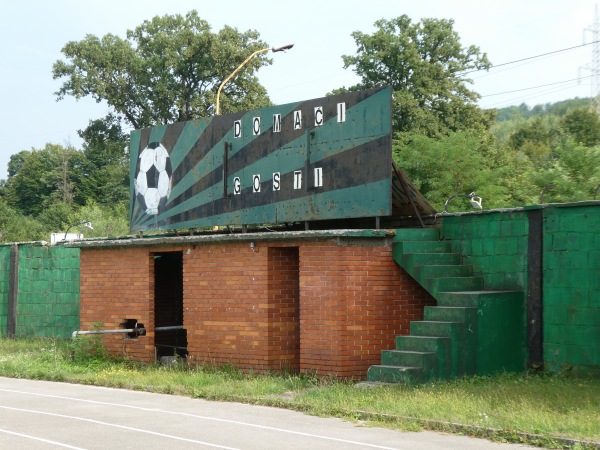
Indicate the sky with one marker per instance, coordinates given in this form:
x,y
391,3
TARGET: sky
x,y
33,32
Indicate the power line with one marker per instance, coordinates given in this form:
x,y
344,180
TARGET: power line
x,y
537,87
535,95
533,57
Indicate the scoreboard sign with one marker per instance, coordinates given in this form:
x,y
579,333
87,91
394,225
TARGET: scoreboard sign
x,y
326,158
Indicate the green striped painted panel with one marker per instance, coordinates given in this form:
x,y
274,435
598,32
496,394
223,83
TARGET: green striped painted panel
x,y
326,158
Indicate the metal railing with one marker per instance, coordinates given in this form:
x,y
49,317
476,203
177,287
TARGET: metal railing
x,y
139,331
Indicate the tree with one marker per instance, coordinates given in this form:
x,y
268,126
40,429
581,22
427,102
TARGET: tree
x,y
583,125
44,177
16,162
15,227
168,69
538,138
107,220
105,175
56,217
424,63
581,165
454,164
573,176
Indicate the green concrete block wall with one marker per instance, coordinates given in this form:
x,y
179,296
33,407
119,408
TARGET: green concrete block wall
x,y
572,288
48,296
494,243
4,273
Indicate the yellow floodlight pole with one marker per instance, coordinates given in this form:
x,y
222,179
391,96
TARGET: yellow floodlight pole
x,y
262,50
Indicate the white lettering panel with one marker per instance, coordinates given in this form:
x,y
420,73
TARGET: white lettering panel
x,y
277,181
298,179
237,186
318,176
237,129
318,116
276,123
341,112
297,120
256,126
255,183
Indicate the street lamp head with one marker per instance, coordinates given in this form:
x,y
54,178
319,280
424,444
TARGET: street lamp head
x,y
282,48
474,200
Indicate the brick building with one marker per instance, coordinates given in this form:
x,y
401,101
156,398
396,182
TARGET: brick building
x,y
318,301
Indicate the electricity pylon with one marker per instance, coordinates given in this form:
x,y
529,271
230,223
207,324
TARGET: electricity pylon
x,y
594,28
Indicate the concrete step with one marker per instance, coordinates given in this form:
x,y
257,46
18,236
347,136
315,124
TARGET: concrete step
x,y
411,261
462,358
440,346
425,272
421,343
436,328
450,314
408,358
416,234
452,284
476,298
395,374
423,246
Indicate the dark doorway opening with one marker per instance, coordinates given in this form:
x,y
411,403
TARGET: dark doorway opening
x,y
170,338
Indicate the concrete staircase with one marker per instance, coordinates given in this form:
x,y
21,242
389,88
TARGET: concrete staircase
x,y
471,331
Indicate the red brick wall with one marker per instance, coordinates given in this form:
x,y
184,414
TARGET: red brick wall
x,y
226,304
118,284
310,306
284,307
353,302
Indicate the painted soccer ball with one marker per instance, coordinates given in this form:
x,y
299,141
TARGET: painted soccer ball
x,y
153,179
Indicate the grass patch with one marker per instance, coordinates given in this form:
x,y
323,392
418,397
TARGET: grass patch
x,y
550,410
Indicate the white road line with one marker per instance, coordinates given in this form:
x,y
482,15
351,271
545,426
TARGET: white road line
x,y
235,422
123,427
35,438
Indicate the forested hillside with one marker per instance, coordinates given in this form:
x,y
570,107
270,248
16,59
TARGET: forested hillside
x,y
511,157
523,111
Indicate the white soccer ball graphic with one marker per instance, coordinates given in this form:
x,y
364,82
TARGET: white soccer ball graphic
x,y
153,179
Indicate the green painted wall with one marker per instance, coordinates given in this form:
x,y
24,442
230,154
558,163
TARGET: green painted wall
x,y
572,288
4,272
48,291
494,243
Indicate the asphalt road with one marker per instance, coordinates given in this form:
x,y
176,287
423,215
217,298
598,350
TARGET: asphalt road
x,y
46,415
